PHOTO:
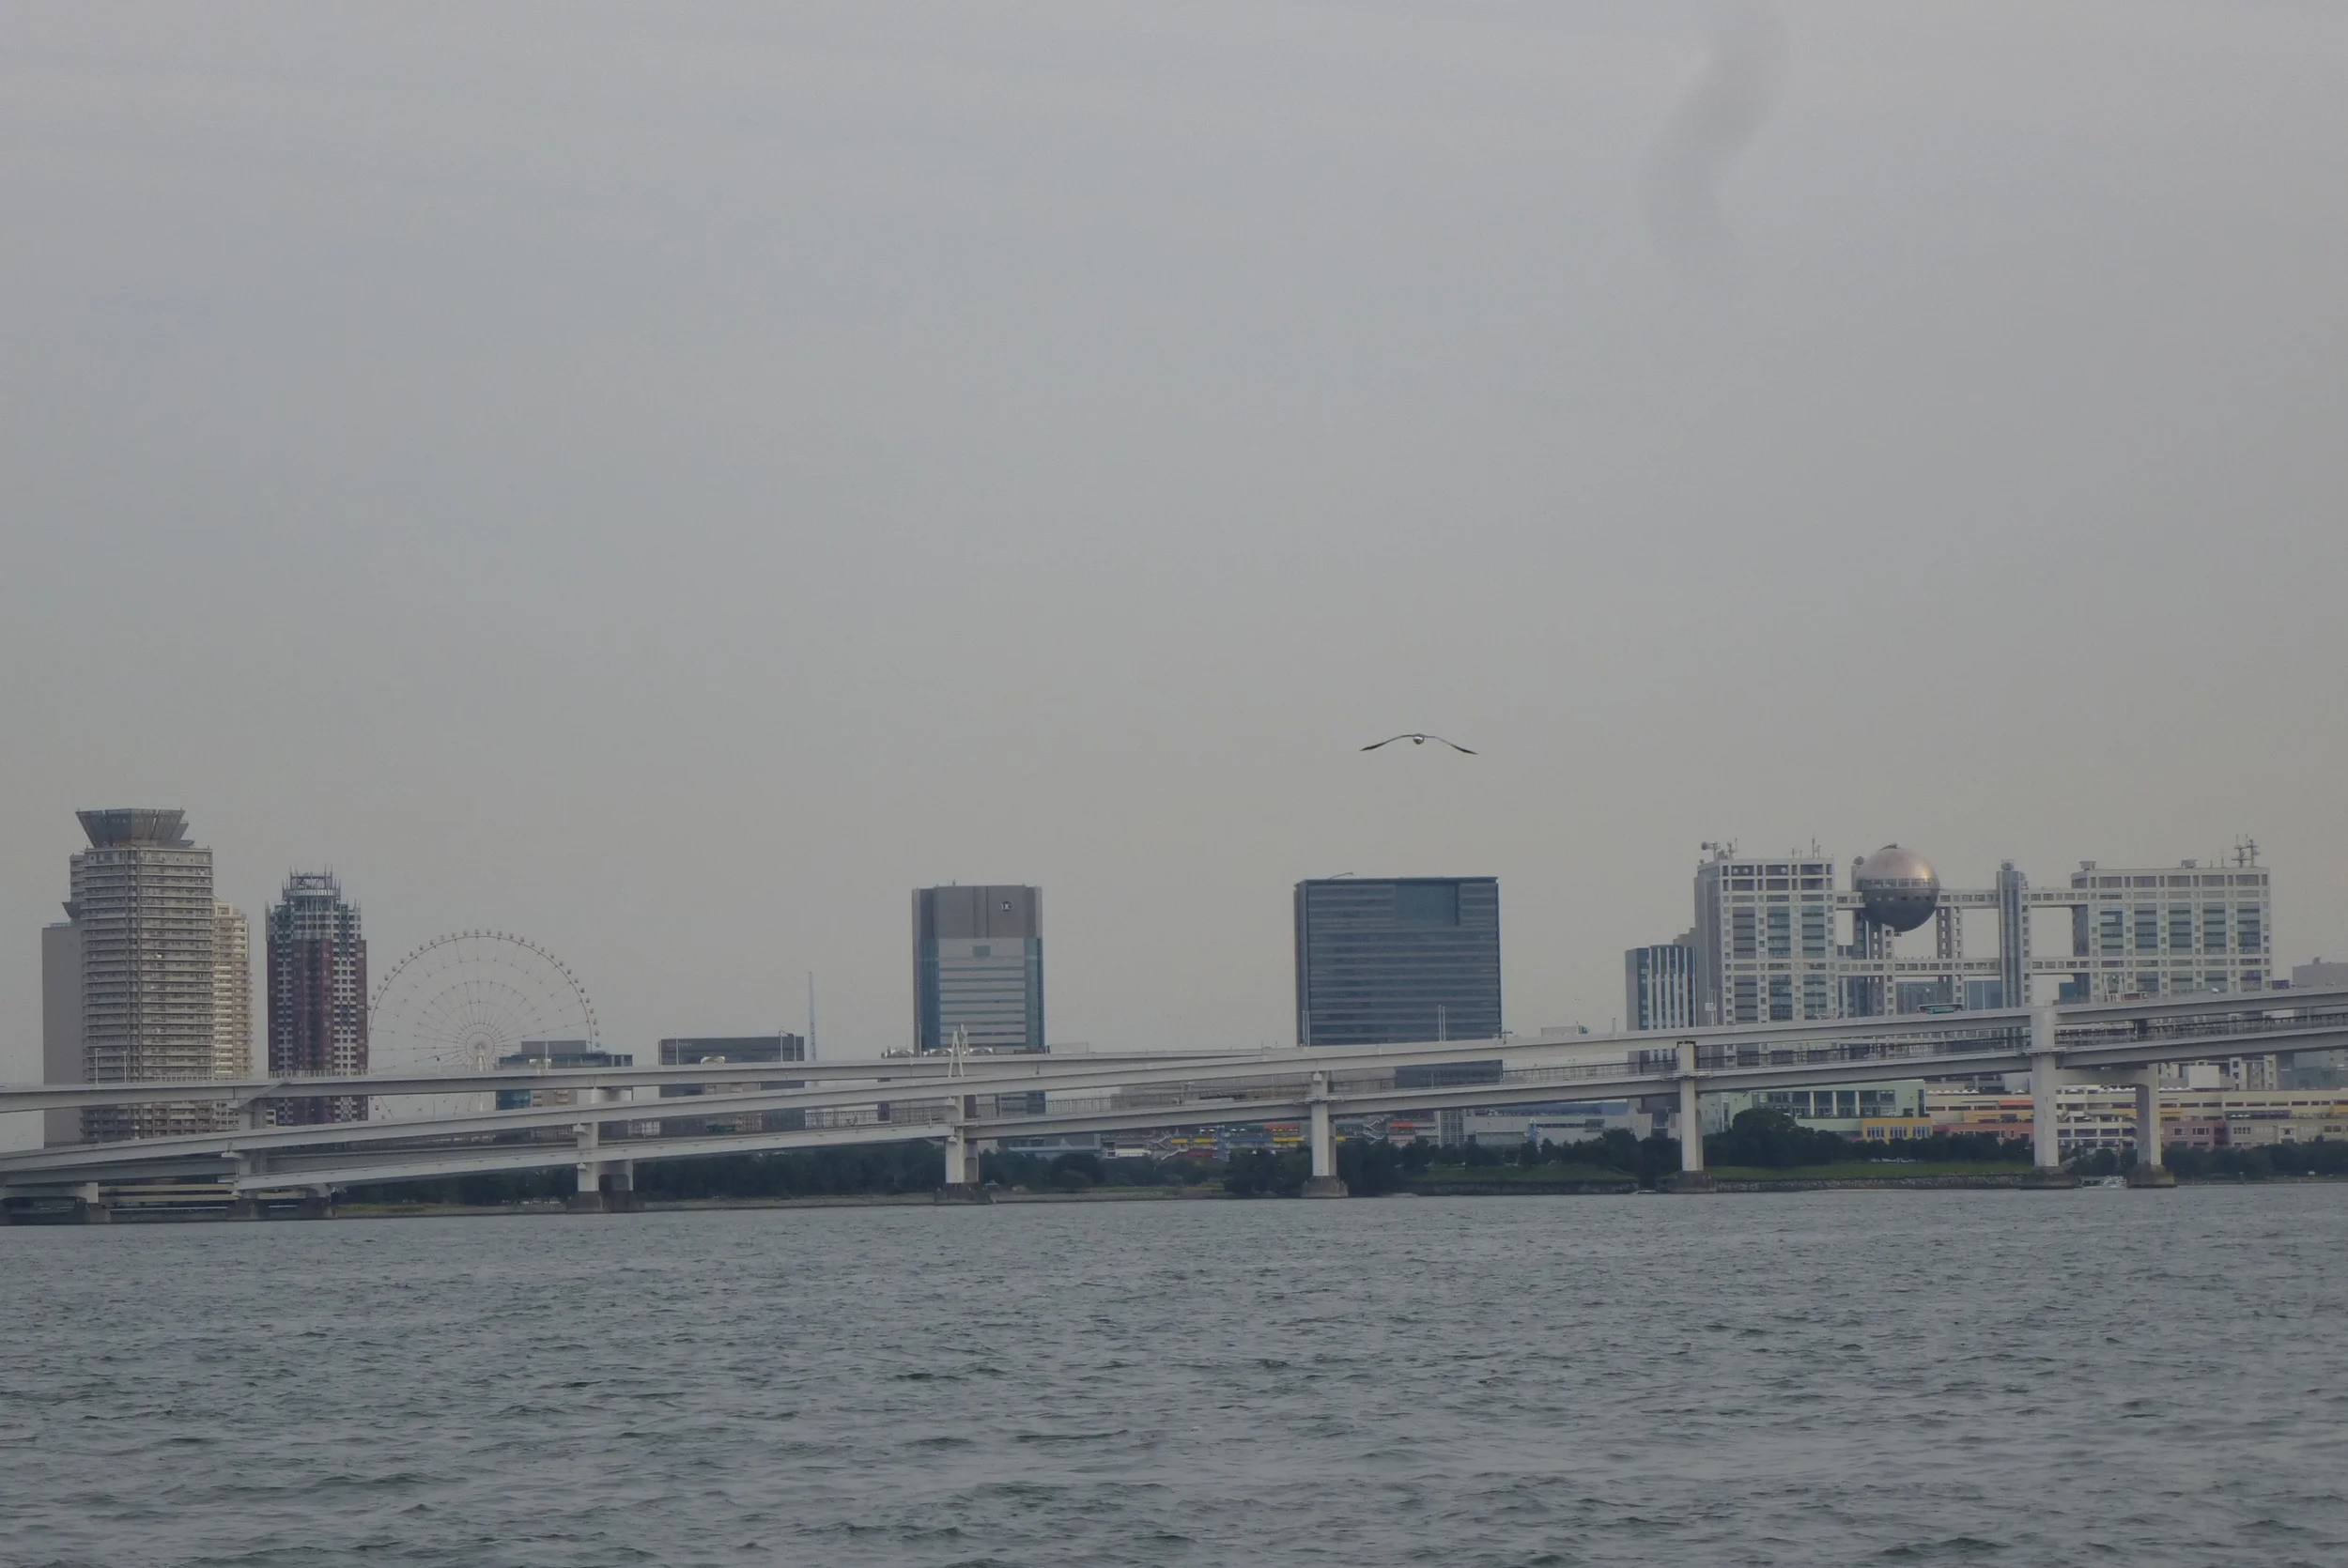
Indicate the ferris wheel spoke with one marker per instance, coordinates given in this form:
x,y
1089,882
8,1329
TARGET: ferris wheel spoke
x,y
470,997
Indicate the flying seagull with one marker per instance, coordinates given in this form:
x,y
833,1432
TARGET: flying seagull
x,y
1418,740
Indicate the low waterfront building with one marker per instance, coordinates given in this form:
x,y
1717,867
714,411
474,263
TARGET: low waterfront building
x,y
2103,1116
1849,1110
726,1050
552,1055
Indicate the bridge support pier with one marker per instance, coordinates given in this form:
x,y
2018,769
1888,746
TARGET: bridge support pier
x,y
2045,1129
587,1196
963,1183
1692,1177
2149,1170
611,1191
316,1205
605,1186
247,1206
1324,1182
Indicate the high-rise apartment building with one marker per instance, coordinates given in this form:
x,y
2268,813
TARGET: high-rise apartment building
x,y
978,968
1383,961
232,993
1659,985
318,995
61,1026
147,932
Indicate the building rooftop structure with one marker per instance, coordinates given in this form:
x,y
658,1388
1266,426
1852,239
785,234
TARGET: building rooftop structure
x,y
121,826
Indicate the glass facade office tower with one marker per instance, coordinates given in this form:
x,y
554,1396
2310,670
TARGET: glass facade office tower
x,y
978,966
1659,985
159,999
317,996
1402,958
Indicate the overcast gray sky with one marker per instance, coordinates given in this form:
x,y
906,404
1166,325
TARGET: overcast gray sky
x,y
669,480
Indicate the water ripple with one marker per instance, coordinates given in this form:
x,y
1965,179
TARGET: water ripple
x,y
1851,1377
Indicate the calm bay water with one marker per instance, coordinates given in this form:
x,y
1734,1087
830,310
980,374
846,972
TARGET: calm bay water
x,y
1972,1377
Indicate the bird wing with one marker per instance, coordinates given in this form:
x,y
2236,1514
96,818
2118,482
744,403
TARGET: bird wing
x,y
1456,746
1388,741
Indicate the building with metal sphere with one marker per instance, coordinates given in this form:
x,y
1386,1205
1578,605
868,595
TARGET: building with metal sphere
x,y
1776,940
1898,887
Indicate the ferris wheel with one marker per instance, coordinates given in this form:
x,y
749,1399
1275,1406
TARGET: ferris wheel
x,y
463,1002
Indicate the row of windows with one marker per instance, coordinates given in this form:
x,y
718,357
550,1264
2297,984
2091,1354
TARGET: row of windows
x,y
2203,879
2114,928
1744,937
1833,1102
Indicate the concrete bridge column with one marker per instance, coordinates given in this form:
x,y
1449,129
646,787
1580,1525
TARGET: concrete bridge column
x,y
1324,1182
2045,1130
963,1183
2149,1170
619,1183
588,1197
1691,1177
245,1205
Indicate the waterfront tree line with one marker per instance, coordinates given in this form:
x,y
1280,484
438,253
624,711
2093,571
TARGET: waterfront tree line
x,y
1758,1139
2319,1157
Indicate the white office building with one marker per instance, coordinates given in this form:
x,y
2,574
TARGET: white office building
x,y
1781,938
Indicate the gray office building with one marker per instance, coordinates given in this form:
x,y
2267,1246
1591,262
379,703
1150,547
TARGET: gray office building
x,y
978,967
749,1050
1396,959
1659,985
705,1050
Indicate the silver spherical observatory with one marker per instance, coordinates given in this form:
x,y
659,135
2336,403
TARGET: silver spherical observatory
x,y
1899,886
